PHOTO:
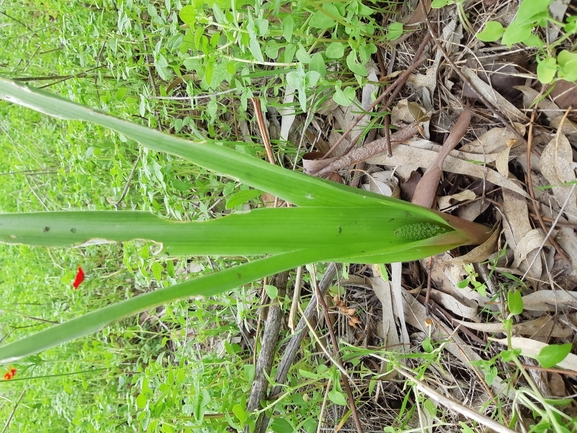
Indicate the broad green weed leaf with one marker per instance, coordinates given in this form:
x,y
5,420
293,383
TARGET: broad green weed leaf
x,y
288,24
303,56
295,79
355,66
161,66
337,397
271,291
530,11
571,25
254,48
429,405
440,3
546,70
568,65
312,78
345,96
394,31
364,10
254,45
219,15
261,27
366,51
188,15
318,65
510,355
308,374
272,48
242,197
240,412
335,50
208,71
516,33
493,31
534,41
515,302
281,425
289,53
553,354
321,20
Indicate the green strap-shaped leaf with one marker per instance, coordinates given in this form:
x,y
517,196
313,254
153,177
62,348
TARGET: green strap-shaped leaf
x,y
208,285
336,234
296,188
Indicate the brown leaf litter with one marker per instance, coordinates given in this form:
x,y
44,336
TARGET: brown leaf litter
x,y
479,173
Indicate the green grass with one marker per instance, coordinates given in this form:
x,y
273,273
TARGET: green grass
x,y
94,384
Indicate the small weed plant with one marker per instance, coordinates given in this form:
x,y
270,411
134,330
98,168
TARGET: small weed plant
x,y
554,61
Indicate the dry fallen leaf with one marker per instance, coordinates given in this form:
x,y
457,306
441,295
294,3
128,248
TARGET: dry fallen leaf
x,y
516,229
556,166
567,239
383,182
466,309
451,200
531,348
546,106
508,109
569,127
543,326
419,154
565,94
550,300
493,142
480,252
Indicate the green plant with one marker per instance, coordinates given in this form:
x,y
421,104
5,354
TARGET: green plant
x,y
533,14
471,279
545,412
437,4
313,46
331,222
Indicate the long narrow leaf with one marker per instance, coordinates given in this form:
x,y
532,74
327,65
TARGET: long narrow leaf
x,y
337,234
296,188
208,285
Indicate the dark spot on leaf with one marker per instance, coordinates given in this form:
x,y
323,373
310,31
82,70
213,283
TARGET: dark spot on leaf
x,y
46,229
340,230
239,275
72,230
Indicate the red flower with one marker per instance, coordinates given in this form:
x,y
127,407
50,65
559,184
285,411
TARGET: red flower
x,y
79,278
10,374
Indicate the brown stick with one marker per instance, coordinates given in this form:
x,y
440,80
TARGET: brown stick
x,y
292,348
268,348
339,360
263,129
426,189
371,149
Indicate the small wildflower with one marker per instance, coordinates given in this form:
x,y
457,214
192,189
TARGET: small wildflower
x,y
79,278
10,374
